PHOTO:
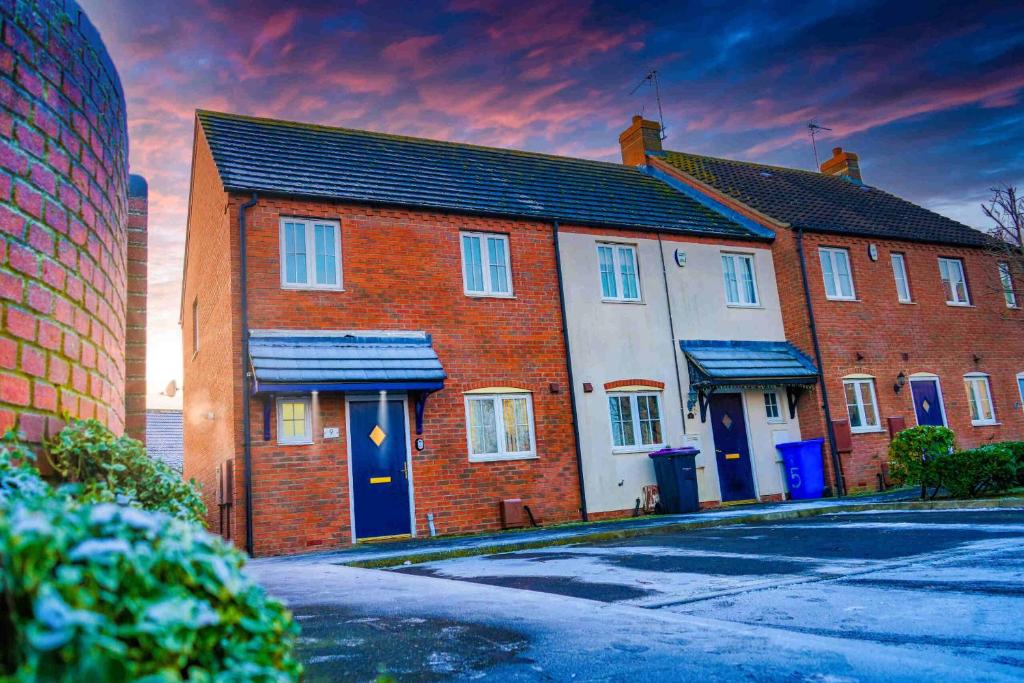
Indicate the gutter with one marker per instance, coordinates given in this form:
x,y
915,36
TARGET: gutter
x,y
246,428
568,367
837,468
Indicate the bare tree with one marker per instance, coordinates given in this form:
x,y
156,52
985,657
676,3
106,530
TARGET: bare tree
x,y
1006,210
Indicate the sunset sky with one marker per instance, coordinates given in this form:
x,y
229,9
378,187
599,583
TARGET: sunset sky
x,y
928,94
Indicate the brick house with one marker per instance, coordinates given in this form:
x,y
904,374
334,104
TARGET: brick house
x,y
373,324
905,311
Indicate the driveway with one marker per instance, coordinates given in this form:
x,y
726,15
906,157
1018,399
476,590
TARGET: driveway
x,y
849,596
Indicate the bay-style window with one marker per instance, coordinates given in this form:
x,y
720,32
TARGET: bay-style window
x,y
619,279
979,399
635,421
835,269
740,283
310,254
861,404
499,426
951,270
486,268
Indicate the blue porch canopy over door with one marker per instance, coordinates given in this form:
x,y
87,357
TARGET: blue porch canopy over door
x,y
715,364
296,361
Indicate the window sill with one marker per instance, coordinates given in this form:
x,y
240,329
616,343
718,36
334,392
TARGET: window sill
x,y
907,303
986,423
635,450
959,305
871,430
622,301
776,420
502,458
309,288
754,306
482,295
843,298
295,443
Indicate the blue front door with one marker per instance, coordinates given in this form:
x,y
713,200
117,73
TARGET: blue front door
x,y
380,478
927,402
729,428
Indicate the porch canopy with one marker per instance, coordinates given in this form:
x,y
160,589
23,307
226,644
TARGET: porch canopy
x,y
714,365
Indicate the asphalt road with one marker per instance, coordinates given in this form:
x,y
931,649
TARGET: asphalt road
x,y
845,597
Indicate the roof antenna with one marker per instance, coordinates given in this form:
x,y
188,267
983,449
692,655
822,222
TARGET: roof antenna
x,y
813,129
652,79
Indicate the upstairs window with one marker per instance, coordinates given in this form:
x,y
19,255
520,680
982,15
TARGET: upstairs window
x,y
310,254
635,420
899,272
619,281
485,264
740,284
835,269
862,405
951,270
979,398
1006,281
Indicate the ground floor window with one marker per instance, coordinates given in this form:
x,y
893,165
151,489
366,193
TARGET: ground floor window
x,y
500,426
771,407
979,398
861,404
293,421
635,420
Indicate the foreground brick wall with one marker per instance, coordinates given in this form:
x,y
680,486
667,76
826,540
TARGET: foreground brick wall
x,y
63,196
135,335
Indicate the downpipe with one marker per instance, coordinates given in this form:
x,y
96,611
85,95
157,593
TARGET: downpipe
x,y
246,428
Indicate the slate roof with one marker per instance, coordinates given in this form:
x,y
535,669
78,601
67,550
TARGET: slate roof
x,y
294,159
740,363
822,203
164,437
295,360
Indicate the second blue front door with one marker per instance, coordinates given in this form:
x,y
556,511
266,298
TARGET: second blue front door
x,y
380,475
729,429
927,402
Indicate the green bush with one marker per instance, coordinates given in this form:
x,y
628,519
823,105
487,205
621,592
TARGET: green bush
x,y
1017,449
913,452
101,591
971,473
108,466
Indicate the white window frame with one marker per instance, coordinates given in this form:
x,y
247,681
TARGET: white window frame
x,y
859,384
955,301
832,253
485,264
638,446
777,404
900,275
304,439
1020,388
617,270
1006,280
310,225
979,379
736,259
499,417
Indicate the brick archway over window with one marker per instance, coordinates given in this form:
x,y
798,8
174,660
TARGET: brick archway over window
x,y
647,383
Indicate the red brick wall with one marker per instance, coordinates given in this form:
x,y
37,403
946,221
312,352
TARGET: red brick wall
x,y
925,336
211,380
135,335
63,195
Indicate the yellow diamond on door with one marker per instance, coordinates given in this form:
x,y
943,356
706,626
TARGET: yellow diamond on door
x,y
377,436
727,421
926,405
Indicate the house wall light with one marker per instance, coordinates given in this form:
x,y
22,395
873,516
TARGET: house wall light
x,y
901,381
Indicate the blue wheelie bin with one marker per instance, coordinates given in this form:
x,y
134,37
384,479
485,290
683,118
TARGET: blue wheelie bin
x,y
804,469
676,471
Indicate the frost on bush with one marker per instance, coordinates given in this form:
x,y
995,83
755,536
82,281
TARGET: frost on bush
x,y
19,477
98,592
914,452
979,471
108,467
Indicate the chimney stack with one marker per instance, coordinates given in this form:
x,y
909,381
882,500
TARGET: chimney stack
x,y
643,137
842,164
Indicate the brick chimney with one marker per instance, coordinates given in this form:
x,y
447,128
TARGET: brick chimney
x,y
843,164
135,334
640,139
